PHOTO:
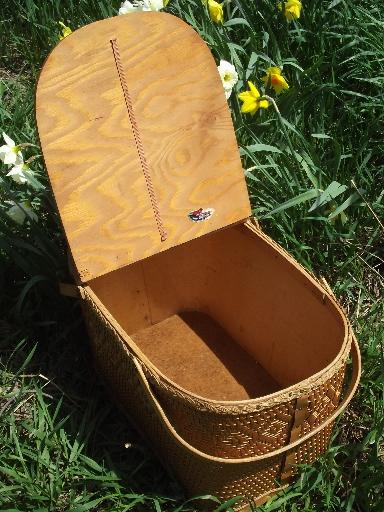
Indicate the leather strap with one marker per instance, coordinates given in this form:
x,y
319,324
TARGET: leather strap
x,y
356,373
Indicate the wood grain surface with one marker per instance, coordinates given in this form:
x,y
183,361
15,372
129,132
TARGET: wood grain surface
x,y
91,152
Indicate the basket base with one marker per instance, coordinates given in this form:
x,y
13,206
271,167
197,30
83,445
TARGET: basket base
x,y
196,353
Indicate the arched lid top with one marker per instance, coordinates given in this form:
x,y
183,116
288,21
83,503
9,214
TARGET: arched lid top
x,y
138,140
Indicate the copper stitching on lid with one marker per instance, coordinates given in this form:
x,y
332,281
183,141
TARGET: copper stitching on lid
x,y
139,144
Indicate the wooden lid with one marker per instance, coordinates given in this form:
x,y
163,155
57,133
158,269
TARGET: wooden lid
x,y
138,140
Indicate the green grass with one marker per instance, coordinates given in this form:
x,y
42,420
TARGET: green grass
x,y
315,172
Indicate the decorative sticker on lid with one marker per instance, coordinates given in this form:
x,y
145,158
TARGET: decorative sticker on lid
x,y
201,214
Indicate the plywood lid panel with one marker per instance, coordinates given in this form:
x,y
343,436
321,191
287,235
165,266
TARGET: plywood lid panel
x,y
137,135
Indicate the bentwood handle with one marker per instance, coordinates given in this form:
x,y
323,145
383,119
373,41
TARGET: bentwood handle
x,y
356,361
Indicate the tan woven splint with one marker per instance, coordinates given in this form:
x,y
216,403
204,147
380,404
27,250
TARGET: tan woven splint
x,y
218,345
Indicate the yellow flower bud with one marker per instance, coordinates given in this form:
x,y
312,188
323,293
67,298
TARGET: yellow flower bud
x,y
64,31
216,11
292,9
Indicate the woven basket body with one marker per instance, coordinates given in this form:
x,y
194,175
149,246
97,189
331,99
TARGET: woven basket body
x,y
213,446
217,344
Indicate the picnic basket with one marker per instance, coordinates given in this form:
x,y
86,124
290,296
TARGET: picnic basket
x,y
220,347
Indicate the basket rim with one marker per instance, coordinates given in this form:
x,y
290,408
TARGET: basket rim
x,y
252,404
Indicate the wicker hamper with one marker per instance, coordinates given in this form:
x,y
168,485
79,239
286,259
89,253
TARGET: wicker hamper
x,y
226,353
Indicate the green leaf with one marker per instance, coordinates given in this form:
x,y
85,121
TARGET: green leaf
x,y
157,505
348,202
91,504
293,64
228,504
320,136
251,63
301,198
276,504
35,183
259,147
304,162
91,463
331,192
333,4
206,497
354,93
292,128
236,21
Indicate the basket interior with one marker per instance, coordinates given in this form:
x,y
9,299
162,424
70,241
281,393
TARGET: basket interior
x,y
226,316
194,350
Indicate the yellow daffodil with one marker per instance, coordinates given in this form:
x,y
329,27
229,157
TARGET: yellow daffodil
x,y
292,9
64,31
275,79
252,100
215,11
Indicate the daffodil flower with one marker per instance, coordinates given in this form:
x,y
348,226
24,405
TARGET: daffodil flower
x,y
292,9
19,173
127,7
64,31
154,5
10,154
252,100
142,5
215,11
19,211
228,76
275,79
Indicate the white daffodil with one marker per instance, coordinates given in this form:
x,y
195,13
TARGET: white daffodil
x,y
127,7
142,5
19,211
153,5
228,76
19,173
10,154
